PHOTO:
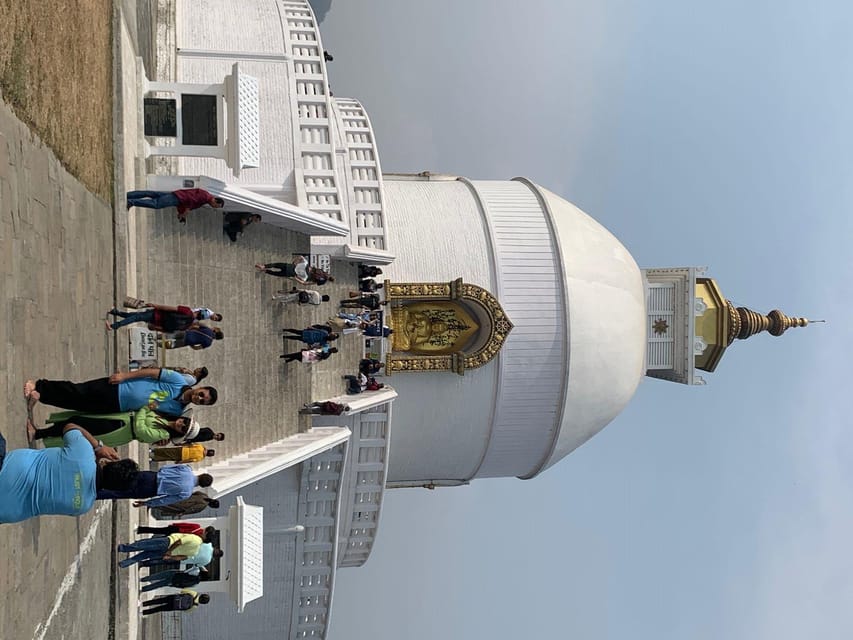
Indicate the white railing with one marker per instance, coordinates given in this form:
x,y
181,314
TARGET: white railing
x,y
369,420
362,176
339,177
238,471
319,501
316,183
368,468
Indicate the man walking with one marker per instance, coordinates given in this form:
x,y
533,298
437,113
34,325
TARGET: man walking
x,y
313,336
159,317
165,390
173,548
197,502
302,296
171,578
163,487
184,199
200,313
183,601
315,354
197,336
175,527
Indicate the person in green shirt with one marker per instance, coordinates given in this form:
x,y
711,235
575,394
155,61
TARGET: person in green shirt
x,y
114,429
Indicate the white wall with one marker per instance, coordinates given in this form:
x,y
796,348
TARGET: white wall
x,y
441,421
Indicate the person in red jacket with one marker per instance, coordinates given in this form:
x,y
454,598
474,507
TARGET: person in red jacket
x,y
184,199
175,527
159,317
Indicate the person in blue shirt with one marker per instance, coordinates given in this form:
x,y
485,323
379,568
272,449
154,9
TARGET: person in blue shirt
x,y
165,390
171,578
315,335
197,336
365,316
375,331
58,481
168,485
205,555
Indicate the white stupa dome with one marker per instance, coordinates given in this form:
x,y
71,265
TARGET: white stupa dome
x,y
576,352
606,324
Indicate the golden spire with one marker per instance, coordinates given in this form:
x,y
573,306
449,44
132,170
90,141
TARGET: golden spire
x,y
744,322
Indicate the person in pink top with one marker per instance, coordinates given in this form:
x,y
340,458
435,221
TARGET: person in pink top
x,y
309,355
184,199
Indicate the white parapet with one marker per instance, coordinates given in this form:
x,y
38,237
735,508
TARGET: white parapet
x,y
247,545
317,545
238,471
363,486
244,126
272,211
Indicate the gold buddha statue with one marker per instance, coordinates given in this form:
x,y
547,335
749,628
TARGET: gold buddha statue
x,y
431,327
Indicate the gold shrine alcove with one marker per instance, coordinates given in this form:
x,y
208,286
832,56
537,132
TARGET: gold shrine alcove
x,y
442,326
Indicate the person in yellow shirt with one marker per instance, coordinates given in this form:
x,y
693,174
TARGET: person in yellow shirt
x,y
178,546
186,453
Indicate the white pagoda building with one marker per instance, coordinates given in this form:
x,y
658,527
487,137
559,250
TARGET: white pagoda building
x,y
498,290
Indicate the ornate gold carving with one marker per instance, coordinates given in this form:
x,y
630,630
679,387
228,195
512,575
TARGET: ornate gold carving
x,y
396,363
408,291
498,327
745,322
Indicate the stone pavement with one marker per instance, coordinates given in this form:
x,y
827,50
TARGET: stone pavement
x,y
66,257
56,247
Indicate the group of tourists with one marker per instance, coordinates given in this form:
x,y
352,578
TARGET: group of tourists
x,y
182,551
367,297
365,380
316,337
359,300
366,317
369,323
179,326
79,464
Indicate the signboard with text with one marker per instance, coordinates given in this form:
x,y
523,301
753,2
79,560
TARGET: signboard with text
x,y
321,261
143,345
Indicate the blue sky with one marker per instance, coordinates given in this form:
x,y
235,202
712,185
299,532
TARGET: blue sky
x,y
709,134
